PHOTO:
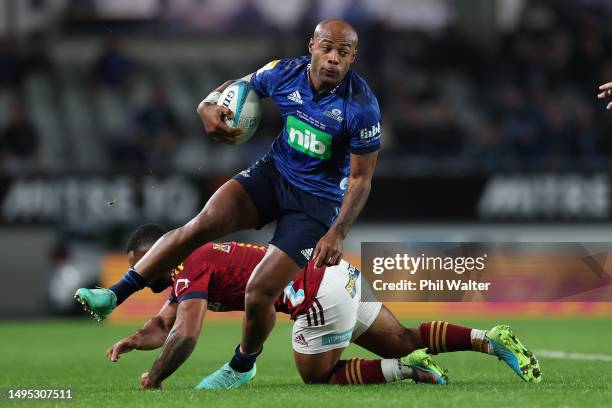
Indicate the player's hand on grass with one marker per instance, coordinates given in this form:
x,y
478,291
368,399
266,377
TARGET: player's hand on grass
x,y
213,117
328,251
148,383
120,347
606,92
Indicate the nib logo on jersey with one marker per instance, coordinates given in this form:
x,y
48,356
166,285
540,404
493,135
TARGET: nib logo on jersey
x,y
307,139
370,133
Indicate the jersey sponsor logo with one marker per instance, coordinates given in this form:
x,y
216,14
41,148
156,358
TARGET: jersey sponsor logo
x,y
336,338
300,339
307,253
267,67
351,284
335,114
371,132
177,285
296,298
295,97
307,139
222,247
176,271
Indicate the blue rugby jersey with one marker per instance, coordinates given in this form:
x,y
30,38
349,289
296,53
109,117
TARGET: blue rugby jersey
x,y
319,132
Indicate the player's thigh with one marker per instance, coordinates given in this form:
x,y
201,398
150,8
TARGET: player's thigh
x,y
229,209
386,336
271,275
317,368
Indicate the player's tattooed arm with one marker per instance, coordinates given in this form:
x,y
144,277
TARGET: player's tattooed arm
x,y
180,342
150,337
328,251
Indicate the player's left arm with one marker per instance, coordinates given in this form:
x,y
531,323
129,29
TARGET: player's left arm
x,y
151,336
328,251
179,344
606,92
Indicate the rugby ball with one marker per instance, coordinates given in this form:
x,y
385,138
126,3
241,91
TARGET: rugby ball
x,y
243,101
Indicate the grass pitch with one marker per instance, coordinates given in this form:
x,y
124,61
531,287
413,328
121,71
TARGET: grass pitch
x,y
71,354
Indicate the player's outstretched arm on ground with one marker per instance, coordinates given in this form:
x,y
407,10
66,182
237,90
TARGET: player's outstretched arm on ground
x,y
328,251
179,344
606,92
213,116
150,337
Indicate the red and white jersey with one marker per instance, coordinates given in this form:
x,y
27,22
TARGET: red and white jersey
x,y
219,272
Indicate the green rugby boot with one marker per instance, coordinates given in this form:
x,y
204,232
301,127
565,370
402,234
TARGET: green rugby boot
x,y
508,348
100,302
425,369
225,378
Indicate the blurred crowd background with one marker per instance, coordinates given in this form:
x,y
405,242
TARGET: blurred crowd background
x,y
489,115
464,86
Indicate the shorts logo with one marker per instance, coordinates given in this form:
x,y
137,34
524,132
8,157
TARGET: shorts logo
x,y
337,338
335,114
369,133
307,139
185,283
222,247
295,97
300,339
307,253
246,173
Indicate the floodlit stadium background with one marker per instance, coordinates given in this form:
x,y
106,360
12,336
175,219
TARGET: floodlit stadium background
x,y
491,129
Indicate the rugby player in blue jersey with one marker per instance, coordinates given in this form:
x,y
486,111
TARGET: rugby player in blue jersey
x,y
313,182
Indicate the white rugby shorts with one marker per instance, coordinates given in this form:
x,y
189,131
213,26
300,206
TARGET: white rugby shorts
x,y
337,315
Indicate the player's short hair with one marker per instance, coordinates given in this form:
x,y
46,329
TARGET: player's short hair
x,y
146,234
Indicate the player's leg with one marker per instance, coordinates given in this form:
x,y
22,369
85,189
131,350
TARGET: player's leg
x,y
230,209
290,248
385,336
247,201
318,343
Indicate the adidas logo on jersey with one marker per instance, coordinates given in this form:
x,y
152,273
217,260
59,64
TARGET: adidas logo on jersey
x,y
307,253
295,97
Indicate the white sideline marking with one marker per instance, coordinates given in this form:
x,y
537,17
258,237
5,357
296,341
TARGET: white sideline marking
x,y
572,356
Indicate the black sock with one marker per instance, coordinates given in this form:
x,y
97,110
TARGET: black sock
x,y
243,362
132,282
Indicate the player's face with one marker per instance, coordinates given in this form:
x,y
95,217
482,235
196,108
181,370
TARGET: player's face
x,y
332,56
157,285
